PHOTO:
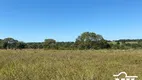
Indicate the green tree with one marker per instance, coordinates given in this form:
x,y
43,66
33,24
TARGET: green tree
x,y
1,43
20,45
90,40
9,43
49,44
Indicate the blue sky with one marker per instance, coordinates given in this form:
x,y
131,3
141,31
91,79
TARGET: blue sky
x,y
64,20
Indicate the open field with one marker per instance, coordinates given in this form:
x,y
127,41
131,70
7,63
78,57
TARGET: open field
x,y
68,64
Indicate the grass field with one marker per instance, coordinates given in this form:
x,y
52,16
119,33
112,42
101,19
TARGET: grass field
x,y
69,64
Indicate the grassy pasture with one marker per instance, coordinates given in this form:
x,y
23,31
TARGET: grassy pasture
x,y
69,64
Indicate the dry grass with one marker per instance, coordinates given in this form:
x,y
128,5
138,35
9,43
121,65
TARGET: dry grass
x,y
68,64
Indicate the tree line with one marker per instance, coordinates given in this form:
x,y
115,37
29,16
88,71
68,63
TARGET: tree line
x,y
87,40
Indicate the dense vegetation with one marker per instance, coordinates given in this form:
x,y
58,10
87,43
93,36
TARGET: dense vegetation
x,y
87,40
68,64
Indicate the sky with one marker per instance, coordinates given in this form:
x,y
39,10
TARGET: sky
x,y
65,20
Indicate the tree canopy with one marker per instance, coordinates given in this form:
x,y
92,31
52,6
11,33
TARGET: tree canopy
x,y
90,40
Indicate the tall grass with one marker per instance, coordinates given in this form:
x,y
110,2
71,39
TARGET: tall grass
x,y
68,64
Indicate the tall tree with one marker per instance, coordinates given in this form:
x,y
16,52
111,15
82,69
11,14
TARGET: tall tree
x,y
49,44
90,40
9,43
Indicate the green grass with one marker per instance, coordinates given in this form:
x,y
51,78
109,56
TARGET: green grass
x,y
68,64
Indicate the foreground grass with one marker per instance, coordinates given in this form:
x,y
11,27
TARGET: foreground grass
x,y
68,64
